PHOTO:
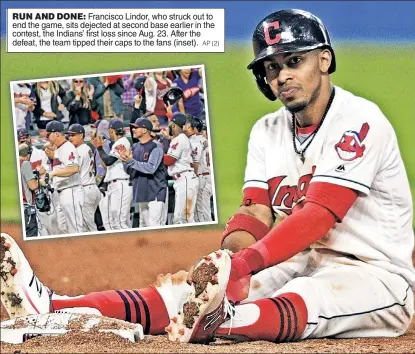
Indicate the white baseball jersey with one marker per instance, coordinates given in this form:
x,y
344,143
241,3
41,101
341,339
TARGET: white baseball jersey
x,y
196,143
86,164
355,147
181,150
116,170
66,155
38,158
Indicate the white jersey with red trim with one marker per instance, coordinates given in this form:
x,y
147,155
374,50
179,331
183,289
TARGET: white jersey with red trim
x,y
38,158
116,170
65,155
196,143
181,150
86,164
355,147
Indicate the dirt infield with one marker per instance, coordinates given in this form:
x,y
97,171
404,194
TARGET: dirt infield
x,y
79,265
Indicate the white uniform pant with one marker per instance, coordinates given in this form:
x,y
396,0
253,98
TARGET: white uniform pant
x,y
165,208
103,208
120,195
203,212
151,213
71,201
185,188
92,197
52,222
345,297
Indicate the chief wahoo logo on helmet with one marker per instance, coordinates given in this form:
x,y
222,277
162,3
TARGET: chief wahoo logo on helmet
x,y
350,146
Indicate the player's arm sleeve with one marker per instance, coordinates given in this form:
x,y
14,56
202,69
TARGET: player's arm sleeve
x,y
176,148
354,155
100,170
255,189
149,167
106,158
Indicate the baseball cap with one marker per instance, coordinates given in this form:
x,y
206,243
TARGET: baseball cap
x,y
173,95
55,126
76,129
142,123
22,133
116,124
139,82
179,119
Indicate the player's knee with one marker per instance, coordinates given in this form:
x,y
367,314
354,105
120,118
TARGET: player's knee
x,y
236,241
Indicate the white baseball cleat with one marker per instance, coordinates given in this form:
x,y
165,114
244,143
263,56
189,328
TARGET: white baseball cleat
x,y
22,293
205,307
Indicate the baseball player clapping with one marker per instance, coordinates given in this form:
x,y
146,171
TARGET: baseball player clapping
x,y
145,165
120,192
179,162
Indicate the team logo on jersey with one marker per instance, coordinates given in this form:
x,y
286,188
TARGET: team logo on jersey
x,y
56,162
194,152
174,146
350,146
285,197
120,148
36,164
71,156
145,156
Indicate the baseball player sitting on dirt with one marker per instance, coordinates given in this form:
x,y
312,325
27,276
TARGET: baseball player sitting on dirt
x,y
328,167
145,164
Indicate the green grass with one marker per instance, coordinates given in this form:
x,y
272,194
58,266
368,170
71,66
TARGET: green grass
x,y
383,74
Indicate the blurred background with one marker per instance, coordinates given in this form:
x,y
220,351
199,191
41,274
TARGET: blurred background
x,y
375,50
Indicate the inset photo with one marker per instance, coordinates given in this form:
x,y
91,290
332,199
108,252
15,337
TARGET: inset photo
x,y
114,152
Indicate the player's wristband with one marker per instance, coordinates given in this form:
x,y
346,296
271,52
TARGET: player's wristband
x,y
247,223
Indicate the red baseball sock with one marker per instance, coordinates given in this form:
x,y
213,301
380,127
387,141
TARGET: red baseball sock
x,y
144,306
279,319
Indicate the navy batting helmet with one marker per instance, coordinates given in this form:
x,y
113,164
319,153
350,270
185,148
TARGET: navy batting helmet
x,y
286,31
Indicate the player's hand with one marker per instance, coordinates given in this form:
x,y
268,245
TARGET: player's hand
x,y
168,107
60,107
41,170
165,133
97,142
50,152
126,156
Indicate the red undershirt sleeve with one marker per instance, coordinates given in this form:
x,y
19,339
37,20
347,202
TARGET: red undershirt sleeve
x,y
327,204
